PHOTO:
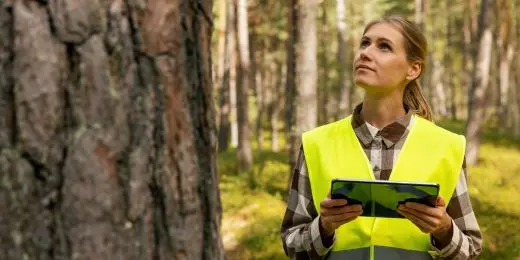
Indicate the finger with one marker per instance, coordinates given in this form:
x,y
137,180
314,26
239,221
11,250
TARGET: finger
x,y
434,212
338,224
341,217
340,210
424,226
328,203
430,220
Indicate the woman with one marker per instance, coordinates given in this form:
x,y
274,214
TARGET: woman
x,y
390,59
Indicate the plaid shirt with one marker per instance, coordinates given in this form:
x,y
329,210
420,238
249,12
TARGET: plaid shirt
x,y
301,229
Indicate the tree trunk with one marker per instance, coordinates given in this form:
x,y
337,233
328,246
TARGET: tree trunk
x,y
244,153
470,48
480,81
302,100
306,73
307,67
438,79
323,80
107,144
277,106
438,82
505,53
290,89
258,75
505,63
419,13
344,82
233,79
228,37
515,108
355,94
448,61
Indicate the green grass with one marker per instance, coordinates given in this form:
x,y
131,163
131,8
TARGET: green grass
x,y
252,217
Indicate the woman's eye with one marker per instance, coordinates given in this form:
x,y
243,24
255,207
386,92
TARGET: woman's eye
x,y
364,44
385,46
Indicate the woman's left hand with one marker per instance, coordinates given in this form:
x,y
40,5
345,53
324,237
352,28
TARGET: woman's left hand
x,y
431,220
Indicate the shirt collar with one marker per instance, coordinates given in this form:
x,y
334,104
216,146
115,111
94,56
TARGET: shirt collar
x,y
389,134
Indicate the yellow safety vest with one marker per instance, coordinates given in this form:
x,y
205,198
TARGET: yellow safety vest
x,y
429,154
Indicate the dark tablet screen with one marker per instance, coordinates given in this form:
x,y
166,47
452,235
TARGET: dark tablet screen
x,y
381,198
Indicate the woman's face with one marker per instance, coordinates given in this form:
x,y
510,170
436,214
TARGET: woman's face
x,y
380,64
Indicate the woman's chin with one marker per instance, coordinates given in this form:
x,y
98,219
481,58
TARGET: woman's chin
x,y
364,84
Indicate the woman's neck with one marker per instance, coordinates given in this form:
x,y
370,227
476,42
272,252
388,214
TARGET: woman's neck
x,y
381,111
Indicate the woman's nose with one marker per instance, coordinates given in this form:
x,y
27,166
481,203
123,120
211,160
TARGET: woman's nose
x,y
364,54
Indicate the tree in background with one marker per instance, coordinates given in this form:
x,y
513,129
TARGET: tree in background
x,y
303,114
226,51
244,153
344,79
107,144
505,44
480,81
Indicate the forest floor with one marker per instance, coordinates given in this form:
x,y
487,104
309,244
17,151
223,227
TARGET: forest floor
x,y
252,213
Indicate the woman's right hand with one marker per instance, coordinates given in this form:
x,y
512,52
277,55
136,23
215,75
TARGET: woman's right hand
x,y
336,212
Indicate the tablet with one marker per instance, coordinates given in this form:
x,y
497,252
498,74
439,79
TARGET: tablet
x,y
381,198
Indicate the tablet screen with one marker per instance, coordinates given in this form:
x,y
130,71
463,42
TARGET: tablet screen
x,y
381,199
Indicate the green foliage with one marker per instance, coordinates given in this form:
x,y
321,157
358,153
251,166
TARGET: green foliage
x,y
252,217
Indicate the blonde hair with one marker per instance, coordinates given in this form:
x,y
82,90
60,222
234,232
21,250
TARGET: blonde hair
x,y
416,49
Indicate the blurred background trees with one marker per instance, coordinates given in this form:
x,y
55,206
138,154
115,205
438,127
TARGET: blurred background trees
x,y
301,56
306,48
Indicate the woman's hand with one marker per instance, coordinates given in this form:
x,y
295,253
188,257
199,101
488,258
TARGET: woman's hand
x,y
336,212
431,220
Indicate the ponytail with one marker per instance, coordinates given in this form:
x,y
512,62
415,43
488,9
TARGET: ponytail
x,y
414,99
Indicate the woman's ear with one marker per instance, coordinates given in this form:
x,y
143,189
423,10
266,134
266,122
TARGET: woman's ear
x,y
414,71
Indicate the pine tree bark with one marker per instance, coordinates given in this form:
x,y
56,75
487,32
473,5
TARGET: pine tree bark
x,y
480,82
107,132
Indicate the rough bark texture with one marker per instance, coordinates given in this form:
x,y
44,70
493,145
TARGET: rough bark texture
x,y
107,132
480,82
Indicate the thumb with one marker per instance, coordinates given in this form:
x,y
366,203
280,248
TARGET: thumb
x,y
440,202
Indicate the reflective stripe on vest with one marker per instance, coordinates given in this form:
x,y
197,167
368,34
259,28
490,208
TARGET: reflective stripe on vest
x,y
380,252
429,154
